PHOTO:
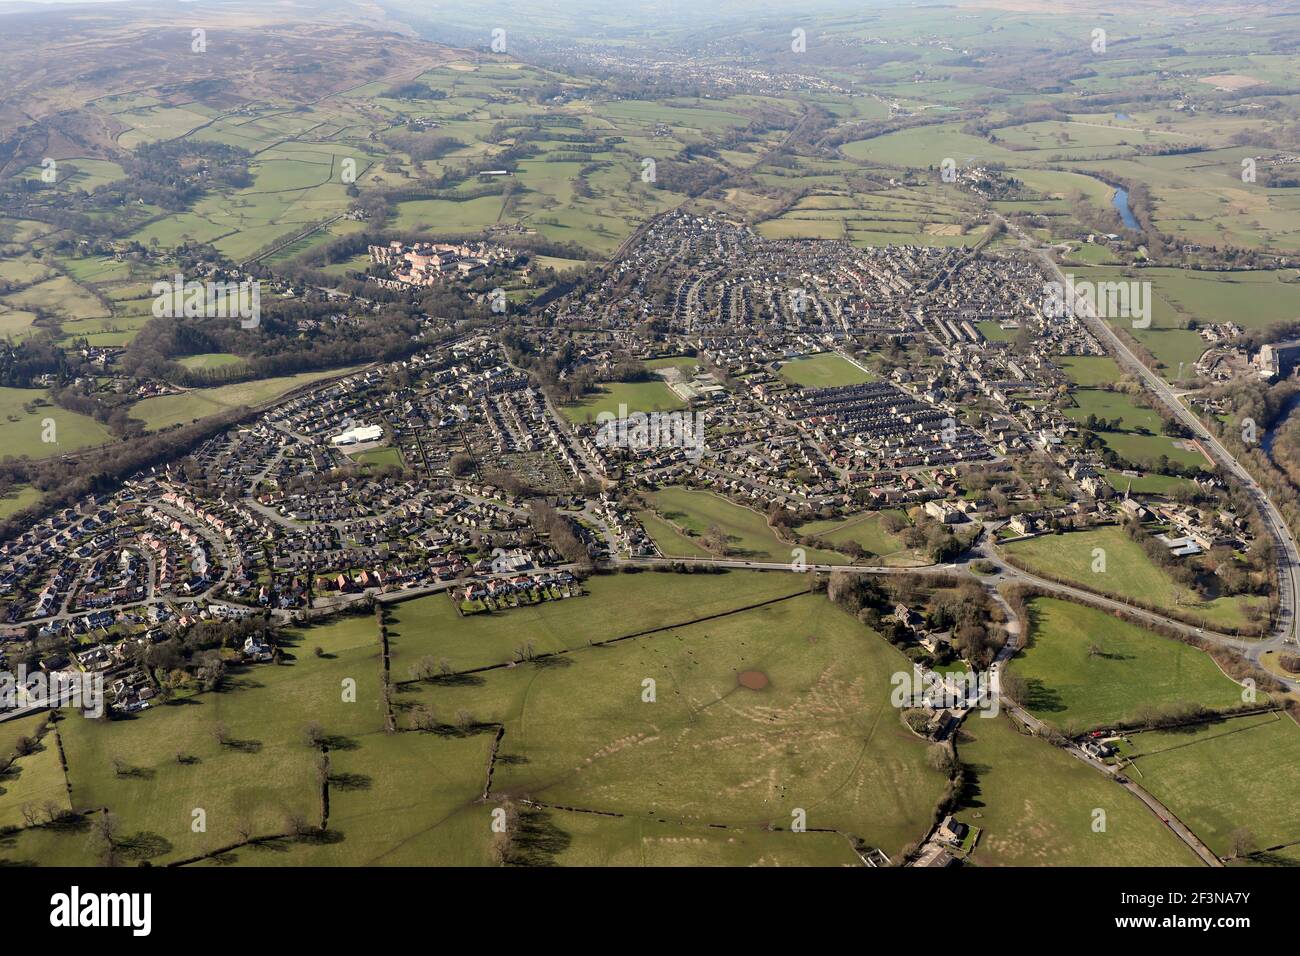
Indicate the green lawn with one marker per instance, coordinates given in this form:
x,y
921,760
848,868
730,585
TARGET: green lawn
x,y
1089,371
379,457
1145,484
1243,772
652,396
824,371
1084,668
1129,573
1035,804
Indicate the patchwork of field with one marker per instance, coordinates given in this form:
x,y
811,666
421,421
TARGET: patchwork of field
x,y
1201,197
897,216
699,762
155,770
579,734
1084,668
587,184
689,514
1128,573
824,371
1035,805
1225,776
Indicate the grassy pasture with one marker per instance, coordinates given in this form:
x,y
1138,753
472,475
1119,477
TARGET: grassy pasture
x,y
1035,806
208,360
650,396
749,536
865,530
1218,777
18,499
1129,573
1085,668
23,432
263,774
821,736
196,403
616,605
1089,371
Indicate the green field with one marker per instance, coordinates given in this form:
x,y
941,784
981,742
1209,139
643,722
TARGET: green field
x,y
1089,371
821,736
18,499
823,371
1243,772
379,457
1035,805
707,751
1083,668
867,531
1138,438
32,780
651,396
210,360
670,541
263,774
616,606
23,432
1129,573
197,403
749,536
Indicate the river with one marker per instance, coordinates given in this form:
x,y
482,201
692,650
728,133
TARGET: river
x,y
1120,202
1266,440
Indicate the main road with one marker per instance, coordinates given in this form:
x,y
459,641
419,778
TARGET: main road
x,y
1285,548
